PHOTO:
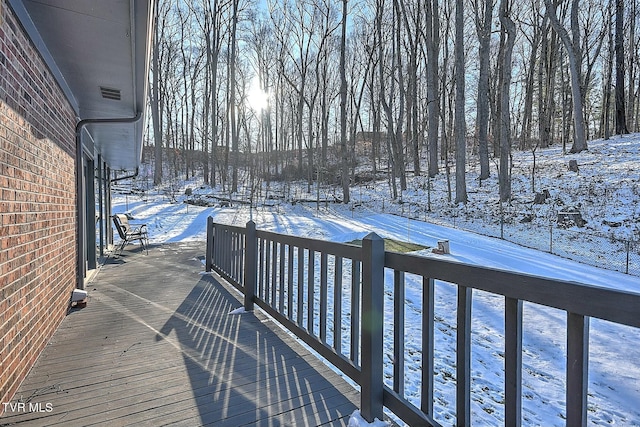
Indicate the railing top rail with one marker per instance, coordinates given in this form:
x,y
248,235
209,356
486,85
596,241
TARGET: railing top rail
x,y
235,228
344,250
615,305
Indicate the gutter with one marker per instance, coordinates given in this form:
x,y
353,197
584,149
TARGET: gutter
x,y
120,178
80,196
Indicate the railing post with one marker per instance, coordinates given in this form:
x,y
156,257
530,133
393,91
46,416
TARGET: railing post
x,y
210,235
463,357
250,265
371,382
513,362
577,369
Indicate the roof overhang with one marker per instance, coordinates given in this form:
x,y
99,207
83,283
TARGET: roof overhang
x,y
99,52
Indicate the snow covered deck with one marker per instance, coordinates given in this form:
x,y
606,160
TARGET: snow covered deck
x,y
156,344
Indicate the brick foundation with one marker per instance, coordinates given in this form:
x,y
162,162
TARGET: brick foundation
x,y
37,204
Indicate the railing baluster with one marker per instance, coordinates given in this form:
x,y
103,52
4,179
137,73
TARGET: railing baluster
x,y
577,369
234,259
217,245
261,284
337,305
323,296
300,286
290,283
274,273
267,270
216,242
209,250
513,362
243,254
463,358
355,312
398,332
310,290
428,344
228,264
227,253
234,256
282,259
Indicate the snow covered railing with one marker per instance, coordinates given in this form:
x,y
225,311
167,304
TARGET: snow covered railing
x,y
333,295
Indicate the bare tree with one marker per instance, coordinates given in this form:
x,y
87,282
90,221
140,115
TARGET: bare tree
x,y
574,55
605,130
621,122
232,98
432,42
547,71
154,95
632,59
394,132
483,13
412,18
534,36
509,34
211,26
460,128
343,106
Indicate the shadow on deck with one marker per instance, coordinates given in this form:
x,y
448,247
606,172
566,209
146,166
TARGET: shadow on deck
x,y
156,345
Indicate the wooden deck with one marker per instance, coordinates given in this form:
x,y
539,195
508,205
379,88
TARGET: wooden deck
x,y
156,345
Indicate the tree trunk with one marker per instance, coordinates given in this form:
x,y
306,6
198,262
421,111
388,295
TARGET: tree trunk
x,y
605,130
432,41
509,30
343,107
621,122
383,101
574,55
413,40
399,69
631,61
460,123
155,108
547,85
527,114
232,100
483,28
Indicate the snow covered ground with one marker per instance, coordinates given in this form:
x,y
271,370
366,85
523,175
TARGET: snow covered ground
x,y
614,376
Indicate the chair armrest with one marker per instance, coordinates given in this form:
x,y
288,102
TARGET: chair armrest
x,y
138,228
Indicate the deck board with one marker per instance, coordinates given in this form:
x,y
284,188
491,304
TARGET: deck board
x,y
156,345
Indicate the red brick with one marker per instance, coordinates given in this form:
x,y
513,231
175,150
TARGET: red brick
x,y
37,206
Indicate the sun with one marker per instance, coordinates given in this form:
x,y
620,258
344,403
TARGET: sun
x,y
257,99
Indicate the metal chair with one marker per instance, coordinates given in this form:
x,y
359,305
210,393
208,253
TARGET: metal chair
x,y
130,232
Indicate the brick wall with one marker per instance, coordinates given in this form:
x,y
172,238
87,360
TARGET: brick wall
x,y
37,204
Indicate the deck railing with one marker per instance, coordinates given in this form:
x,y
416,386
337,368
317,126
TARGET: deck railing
x,y
332,296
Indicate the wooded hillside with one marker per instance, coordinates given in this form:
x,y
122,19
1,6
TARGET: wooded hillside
x,y
430,83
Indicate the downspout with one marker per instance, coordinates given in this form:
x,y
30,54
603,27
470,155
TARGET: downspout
x,y
80,196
